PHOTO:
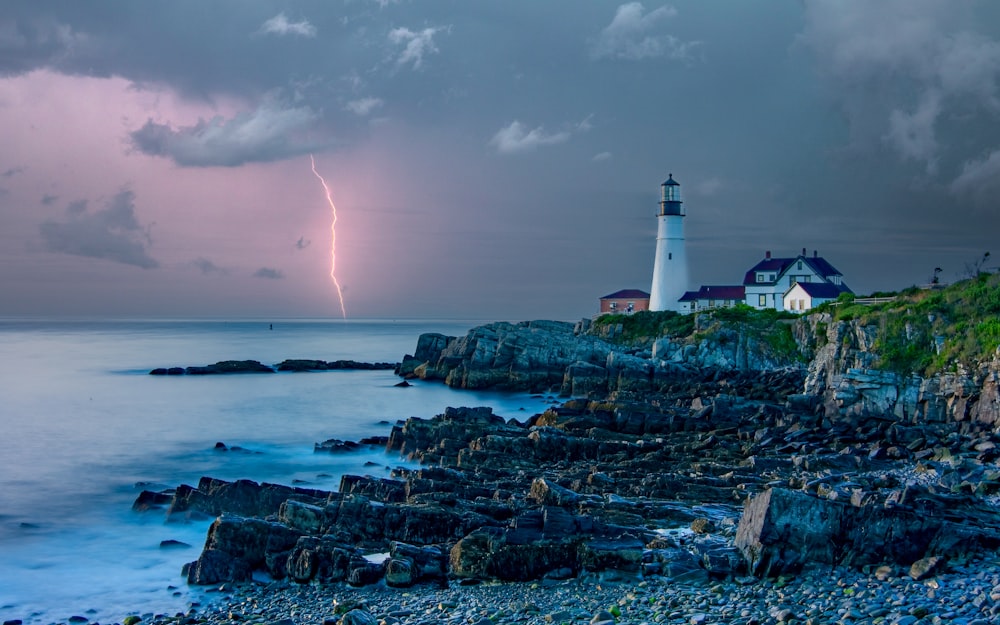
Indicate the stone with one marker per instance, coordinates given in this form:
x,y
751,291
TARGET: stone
x,y
602,618
230,367
927,567
782,530
358,617
150,500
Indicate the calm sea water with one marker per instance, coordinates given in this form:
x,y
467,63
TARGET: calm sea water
x,y
83,427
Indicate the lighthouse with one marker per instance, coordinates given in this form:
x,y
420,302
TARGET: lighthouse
x,y
670,270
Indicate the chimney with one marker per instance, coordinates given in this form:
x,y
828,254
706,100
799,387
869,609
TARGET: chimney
x,y
767,255
803,251
815,254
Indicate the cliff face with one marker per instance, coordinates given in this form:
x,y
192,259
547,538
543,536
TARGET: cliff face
x,y
837,359
842,373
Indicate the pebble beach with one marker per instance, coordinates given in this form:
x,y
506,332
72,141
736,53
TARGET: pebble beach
x,y
967,594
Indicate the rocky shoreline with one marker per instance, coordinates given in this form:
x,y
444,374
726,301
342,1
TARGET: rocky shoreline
x,y
229,367
681,485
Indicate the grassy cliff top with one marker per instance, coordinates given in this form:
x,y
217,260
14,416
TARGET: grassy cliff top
x,y
926,331
921,331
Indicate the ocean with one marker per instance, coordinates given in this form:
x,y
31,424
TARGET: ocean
x,y
84,428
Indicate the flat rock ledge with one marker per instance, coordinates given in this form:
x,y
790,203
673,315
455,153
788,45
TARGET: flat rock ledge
x,y
253,366
698,491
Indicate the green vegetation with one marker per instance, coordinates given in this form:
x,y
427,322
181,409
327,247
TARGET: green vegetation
x,y
921,331
928,331
647,324
717,324
770,326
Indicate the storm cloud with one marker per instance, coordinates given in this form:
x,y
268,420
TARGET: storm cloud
x,y
268,273
268,133
112,233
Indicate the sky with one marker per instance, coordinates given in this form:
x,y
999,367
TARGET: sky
x,y
494,159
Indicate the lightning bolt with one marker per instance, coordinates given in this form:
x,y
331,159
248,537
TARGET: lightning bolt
x,y
333,238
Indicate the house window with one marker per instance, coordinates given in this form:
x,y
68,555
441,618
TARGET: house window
x,y
614,305
770,277
800,265
762,300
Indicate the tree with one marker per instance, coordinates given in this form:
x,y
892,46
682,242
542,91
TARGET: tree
x,y
977,268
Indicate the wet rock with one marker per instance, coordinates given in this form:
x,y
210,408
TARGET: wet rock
x,y
230,367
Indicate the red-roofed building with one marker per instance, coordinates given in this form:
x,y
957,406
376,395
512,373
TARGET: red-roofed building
x,y
625,301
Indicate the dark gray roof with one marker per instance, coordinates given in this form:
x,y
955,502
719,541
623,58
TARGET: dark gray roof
x,y
823,290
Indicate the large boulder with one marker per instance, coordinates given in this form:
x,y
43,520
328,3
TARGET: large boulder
x,y
236,546
782,531
242,497
320,559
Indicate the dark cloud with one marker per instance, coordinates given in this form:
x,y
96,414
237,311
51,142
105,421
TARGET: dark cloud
x,y
112,233
302,243
269,133
206,266
268,273
13,171
49,199
33,40
918,78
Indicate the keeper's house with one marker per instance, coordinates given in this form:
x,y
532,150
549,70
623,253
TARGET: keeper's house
x,y
796,284
769,282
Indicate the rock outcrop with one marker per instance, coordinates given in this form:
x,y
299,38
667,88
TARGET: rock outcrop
x,y
842,375
253,366
836,361
540,356
592,486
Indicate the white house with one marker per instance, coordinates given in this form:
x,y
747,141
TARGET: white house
x,y
803,296
768,281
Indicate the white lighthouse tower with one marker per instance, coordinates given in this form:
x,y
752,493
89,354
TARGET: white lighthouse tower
x,y
670,269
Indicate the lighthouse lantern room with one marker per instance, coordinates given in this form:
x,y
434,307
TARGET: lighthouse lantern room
x,y
670,271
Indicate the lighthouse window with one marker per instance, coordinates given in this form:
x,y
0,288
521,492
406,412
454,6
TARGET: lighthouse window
x,y
670,255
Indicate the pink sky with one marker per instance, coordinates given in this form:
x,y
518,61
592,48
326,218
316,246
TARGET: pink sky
x,y
487,161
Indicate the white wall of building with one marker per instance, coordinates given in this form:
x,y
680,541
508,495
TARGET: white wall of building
x,y
798,271
670,269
